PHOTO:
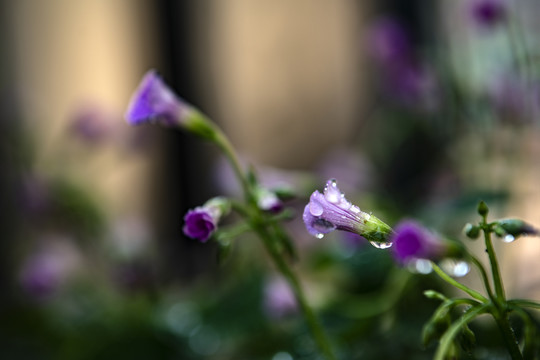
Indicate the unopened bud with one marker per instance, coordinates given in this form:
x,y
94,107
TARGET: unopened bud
x,y
472,231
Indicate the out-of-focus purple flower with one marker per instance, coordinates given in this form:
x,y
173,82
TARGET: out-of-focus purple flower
x,y
412,241
332,211
388,40
279,300
515,99
155,101
201,222
405,78
92,124
488,13
412,84
46,270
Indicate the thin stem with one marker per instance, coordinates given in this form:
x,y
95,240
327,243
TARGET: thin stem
x,y
473,293
525,303
225,145
499,289
484,276
313,323
270,240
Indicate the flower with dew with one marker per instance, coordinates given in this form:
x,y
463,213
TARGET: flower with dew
x,y
488,13
154,101
201,222
412,242
332,211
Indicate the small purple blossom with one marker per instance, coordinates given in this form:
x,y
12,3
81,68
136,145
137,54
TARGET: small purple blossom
x,y
488,13
199,224
279,299
202,222
332,211
388,40
92,124
412,241
154,100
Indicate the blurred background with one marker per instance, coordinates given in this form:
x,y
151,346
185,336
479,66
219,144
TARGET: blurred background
x,y
418,108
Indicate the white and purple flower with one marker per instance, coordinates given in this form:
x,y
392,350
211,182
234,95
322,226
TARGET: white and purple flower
x,y
332,211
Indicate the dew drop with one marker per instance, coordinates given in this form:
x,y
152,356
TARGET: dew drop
x,y
319,235
315,208
381,245
420,266
508,238
456,268
323,226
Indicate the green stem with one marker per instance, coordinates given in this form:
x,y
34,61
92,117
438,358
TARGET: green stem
x,y
484,276
314,325
501,317
260,226
499,289
525,303
225,145
453,330
473,293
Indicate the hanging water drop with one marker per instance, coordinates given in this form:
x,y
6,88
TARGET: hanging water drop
x,y
454,267
508,238
381,245
319,235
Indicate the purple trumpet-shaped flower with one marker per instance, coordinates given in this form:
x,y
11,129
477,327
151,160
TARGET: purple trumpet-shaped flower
x,y
331,211
488,13
412,241
202,222
154,101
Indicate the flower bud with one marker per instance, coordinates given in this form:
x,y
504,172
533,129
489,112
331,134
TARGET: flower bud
x,y
483,209
471,231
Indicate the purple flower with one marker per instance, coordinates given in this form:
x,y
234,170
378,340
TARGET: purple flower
x,y
201,222
331,211
154,100
279,299
488,13
91,123
388,40
412,241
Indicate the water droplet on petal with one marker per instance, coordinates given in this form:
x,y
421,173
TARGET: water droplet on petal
x,y
355,209
508,238
381,245
454,267
315,208
319,235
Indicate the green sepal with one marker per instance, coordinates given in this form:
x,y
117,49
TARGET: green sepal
x,y
376,231
199,124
